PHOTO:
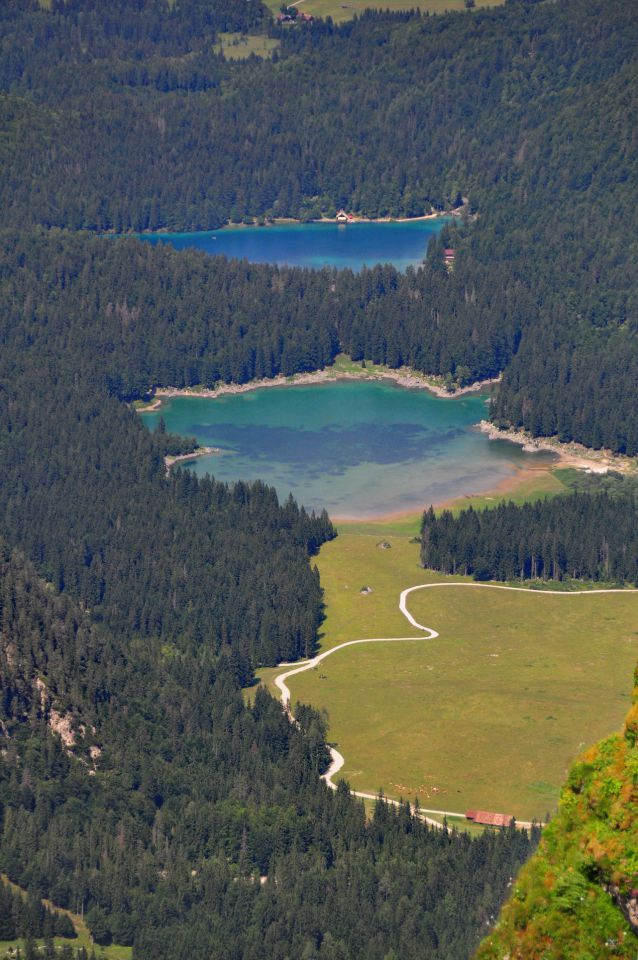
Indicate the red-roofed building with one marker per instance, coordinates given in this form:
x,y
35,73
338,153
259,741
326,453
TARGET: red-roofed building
x,y
489,819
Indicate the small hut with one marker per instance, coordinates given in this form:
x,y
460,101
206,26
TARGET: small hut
x,y
489,819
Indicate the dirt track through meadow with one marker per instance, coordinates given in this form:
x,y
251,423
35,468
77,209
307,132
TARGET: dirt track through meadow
x,y
427,633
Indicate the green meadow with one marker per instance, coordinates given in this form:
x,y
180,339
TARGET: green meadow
x,y
9,948
340,11
492,712
240,46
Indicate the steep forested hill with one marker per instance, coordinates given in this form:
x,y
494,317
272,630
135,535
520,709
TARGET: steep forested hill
x,y
136,787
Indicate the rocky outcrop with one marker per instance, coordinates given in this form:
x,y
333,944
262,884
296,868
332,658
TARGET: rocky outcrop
x,y
628,903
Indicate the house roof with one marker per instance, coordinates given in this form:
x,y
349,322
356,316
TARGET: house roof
x,y
488,818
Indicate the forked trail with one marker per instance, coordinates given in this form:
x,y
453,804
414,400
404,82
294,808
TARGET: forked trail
x,y
427,633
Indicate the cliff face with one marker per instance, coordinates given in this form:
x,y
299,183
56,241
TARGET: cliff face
x,y
577,898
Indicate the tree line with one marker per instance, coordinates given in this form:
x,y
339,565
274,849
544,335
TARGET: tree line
x,y
135,784
27,917
576,536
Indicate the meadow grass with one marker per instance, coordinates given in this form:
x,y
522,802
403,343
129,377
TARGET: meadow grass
x,y
492,712
354,559
9,948
341,10
239,46
535,485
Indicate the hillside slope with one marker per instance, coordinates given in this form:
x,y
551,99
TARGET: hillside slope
x,y
578,896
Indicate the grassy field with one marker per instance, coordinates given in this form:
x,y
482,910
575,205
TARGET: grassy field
x,y
239,46
341,10
355,556
491,713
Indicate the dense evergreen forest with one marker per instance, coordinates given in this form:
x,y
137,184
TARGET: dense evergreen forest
x,y
579,536
148,316
135,785
27,917
163,800
131,121
160,595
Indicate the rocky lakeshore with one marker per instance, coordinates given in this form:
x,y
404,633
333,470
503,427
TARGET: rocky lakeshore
x,y
570,454
403,377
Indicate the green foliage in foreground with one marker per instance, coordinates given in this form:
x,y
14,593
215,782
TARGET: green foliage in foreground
x,y
160,597
578,896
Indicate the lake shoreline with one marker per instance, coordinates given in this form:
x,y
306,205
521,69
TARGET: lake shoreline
x,y
170,460
498,492
565,454
570,454
281,222
403,377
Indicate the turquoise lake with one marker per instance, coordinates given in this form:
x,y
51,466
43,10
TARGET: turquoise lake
x,y
316,244
359,449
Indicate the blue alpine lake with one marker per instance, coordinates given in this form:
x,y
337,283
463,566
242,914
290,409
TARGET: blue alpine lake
x,y
401,243
358,448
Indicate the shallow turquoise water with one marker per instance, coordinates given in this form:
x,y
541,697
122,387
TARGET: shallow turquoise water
x,y
359,449
316,244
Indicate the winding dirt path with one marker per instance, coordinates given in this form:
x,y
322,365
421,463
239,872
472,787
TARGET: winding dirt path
x,y
337,759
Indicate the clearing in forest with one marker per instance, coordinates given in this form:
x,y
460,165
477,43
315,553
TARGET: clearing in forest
x,y
240,46
341,10
489,714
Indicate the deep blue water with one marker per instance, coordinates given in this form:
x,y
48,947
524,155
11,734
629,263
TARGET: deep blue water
x,y
316,244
